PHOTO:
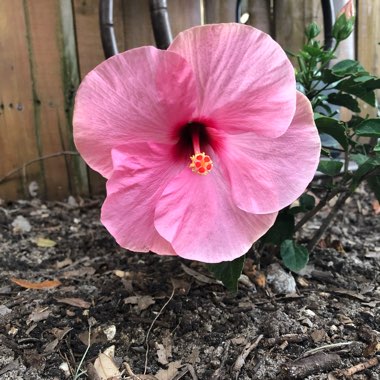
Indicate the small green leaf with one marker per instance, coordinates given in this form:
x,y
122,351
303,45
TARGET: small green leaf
x,y
282,229
294,256
367,166
359,158
377,147
360,90
228,272
330,167
369,128
346,67
327,76
344,100
307,202
332,127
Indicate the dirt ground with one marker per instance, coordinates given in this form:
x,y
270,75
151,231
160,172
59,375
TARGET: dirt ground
x,y
102,298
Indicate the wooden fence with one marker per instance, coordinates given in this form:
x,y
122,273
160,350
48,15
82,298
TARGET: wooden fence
x,y
47,46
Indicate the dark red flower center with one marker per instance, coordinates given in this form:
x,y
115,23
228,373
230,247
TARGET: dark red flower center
x,y
194,140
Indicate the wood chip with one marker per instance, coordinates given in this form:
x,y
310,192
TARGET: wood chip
x,y
38,315
48,284
312,365
77,302
142,302
198,276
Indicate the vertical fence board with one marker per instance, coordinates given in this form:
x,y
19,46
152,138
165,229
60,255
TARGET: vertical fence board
x,y
291,17
90,54
50,79
259,12
183,14
368,41
219,11
17,138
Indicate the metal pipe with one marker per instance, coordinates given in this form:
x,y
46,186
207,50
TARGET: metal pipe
x,y
328,22
160,23
107,31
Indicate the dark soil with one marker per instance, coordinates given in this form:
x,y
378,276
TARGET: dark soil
x,y
204,330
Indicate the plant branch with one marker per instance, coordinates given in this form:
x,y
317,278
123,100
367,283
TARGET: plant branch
x,y
25,164
326,223
322,203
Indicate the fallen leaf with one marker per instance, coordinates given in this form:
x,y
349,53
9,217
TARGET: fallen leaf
x,y
142,302
162,356
48,284
198,276
318,336
170,373
78,302
81,272
45,243
106,368
64,263
181,286
38,315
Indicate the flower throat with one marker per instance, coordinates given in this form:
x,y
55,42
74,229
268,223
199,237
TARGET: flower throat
x,y
201,163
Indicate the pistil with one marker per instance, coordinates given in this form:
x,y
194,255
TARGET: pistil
x,y
201,163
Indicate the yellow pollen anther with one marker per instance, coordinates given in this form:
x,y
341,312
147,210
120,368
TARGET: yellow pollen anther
x,y
201,163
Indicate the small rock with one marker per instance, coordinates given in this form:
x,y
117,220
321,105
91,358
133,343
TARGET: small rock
x,y
280,281
4,310
20,224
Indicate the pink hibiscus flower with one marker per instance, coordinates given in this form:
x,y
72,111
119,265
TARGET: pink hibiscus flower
x,y
202,144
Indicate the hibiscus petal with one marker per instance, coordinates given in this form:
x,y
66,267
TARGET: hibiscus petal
x,y
268,174
141,172
139,95
198,217
246,81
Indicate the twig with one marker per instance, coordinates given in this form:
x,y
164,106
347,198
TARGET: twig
x,y
300,369
25,164
326,223
322,203
150,328
240,361
359,367
218,373
78,372
327,347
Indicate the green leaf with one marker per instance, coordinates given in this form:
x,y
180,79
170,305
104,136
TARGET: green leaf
x,y
369,128
327,76
330,167
367,166
307,202
360,90
332,127
228,272
359,158
346,67
282,229
294,256
344,100
377,147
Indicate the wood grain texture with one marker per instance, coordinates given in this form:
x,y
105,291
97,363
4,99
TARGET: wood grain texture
x,y
54,87
259,12
219,11
368,41
291,17
18,104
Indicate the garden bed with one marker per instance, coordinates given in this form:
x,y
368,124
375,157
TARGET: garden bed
x,y
203,332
